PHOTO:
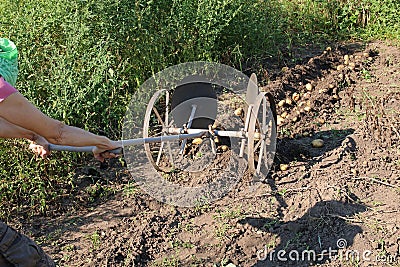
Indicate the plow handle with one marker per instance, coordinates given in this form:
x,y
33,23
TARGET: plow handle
x,y
130,142
88,149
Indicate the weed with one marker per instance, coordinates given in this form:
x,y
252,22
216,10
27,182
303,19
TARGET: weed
x,y
293,240
272,244
95,239
389,61
282,192
270,224
188,227
376,225
222,230
366,74
202,205
170,261
229,214
285,132
68,248
66,257
377,203
181,244
130,189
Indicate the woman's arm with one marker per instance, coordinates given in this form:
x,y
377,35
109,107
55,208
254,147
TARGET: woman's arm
x,y
9,130
39,145
19,111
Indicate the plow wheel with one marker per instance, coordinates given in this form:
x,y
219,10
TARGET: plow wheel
x,y
191,106
261,135
157,120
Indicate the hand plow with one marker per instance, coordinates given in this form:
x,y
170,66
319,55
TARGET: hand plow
x,y
187,115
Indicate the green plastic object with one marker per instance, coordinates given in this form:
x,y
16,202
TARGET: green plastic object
x,y
8,50
8,61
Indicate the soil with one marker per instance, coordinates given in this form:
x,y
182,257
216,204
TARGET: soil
x,y
339,201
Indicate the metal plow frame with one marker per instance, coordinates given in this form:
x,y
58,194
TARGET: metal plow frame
x,y
258,133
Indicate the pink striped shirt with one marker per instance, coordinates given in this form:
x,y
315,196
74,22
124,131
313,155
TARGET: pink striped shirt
x,y
5,89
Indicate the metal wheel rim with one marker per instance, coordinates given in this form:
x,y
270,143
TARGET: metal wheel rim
x,y
270,131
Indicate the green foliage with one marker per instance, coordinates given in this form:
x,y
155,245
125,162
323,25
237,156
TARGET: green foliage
x,y
366,18
81,60
26,183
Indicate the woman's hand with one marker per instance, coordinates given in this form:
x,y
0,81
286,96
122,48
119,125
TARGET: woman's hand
x,y
100,151
40,146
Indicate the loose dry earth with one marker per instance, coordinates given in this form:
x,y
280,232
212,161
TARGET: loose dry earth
x,y
334,206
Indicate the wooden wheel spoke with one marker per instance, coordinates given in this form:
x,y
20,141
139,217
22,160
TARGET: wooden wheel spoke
x,y
158,117
171,123
166,108
258,123
158,152
260,157
257,145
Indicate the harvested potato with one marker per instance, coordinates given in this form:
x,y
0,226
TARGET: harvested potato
x,y
283,167
340,67
296,97
216,125
197,141
317,143
281,103
239,112
224,148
